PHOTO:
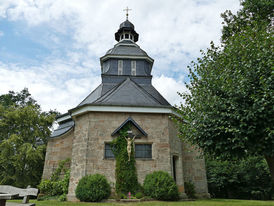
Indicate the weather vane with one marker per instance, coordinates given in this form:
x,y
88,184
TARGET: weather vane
x,y
127,9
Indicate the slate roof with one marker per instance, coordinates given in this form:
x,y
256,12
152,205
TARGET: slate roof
x,y
127,24
127,93
126,47
124,91
63,128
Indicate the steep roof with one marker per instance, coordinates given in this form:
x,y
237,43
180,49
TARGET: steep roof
x,y
126,47
127,93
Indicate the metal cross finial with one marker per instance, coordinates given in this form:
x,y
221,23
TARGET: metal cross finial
x,y
127,9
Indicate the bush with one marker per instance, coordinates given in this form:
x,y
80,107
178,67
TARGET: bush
x,y
139,195
161,186
93,188
242,179
190,190
62,198
45,186
56,186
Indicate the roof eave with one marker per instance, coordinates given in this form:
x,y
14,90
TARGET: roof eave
x,y
163,109
116,56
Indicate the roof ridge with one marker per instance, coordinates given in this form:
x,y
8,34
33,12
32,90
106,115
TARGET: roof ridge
x,y
146,91
89,94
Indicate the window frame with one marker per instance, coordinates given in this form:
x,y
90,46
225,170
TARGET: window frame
x,y
108,149
145,150
133,67
120,67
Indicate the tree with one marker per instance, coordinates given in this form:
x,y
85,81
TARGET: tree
x,y
24,130
248,178
228,111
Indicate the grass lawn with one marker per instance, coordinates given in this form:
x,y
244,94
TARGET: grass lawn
x,y
211,202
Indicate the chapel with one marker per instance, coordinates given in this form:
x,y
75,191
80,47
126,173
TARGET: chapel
x,y
125,96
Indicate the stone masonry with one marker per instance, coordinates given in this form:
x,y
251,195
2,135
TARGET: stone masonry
x,y
85,146
126,94
57,149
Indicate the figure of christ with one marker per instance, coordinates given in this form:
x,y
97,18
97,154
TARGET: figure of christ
x,y
129,145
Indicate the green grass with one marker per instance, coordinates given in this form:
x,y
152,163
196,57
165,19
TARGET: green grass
x,y
211,202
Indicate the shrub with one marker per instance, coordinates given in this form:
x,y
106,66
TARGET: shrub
x,y
190,190
45,186
161,186
93,188
56,185
121,196
243,179
62,198
139,195
57,188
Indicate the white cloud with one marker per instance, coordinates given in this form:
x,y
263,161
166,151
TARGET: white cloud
x,y
166,27
50,88
172,32
169,89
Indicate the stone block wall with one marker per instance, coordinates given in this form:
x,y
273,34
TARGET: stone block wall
x,y
58,148
85,146
94,129
194,170
176,152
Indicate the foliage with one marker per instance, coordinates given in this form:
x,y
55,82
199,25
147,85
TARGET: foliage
x,y
244,179
92,188
125,171
208,202
121,196
20,99
62,168
139,195
57,186
229,110
190,190
24,130
255,13
62,198
161,186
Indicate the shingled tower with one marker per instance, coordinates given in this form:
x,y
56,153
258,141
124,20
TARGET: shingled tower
x,y
125,96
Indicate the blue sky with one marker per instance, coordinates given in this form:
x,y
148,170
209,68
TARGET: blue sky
x,y
53,47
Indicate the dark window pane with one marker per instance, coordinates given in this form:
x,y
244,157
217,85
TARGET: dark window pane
x,y
108,151
143,151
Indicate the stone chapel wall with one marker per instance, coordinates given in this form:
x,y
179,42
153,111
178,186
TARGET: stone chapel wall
x,y
58,148
94,129
176,153
194,170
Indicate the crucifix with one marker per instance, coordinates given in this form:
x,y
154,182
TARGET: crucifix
x,y
129,143
127,9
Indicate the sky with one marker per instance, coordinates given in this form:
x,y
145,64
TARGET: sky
x,y
52,47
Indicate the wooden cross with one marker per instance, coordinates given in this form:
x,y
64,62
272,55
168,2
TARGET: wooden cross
x,y
127,9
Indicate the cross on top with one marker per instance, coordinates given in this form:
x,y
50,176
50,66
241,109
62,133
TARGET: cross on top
x,y
127,9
